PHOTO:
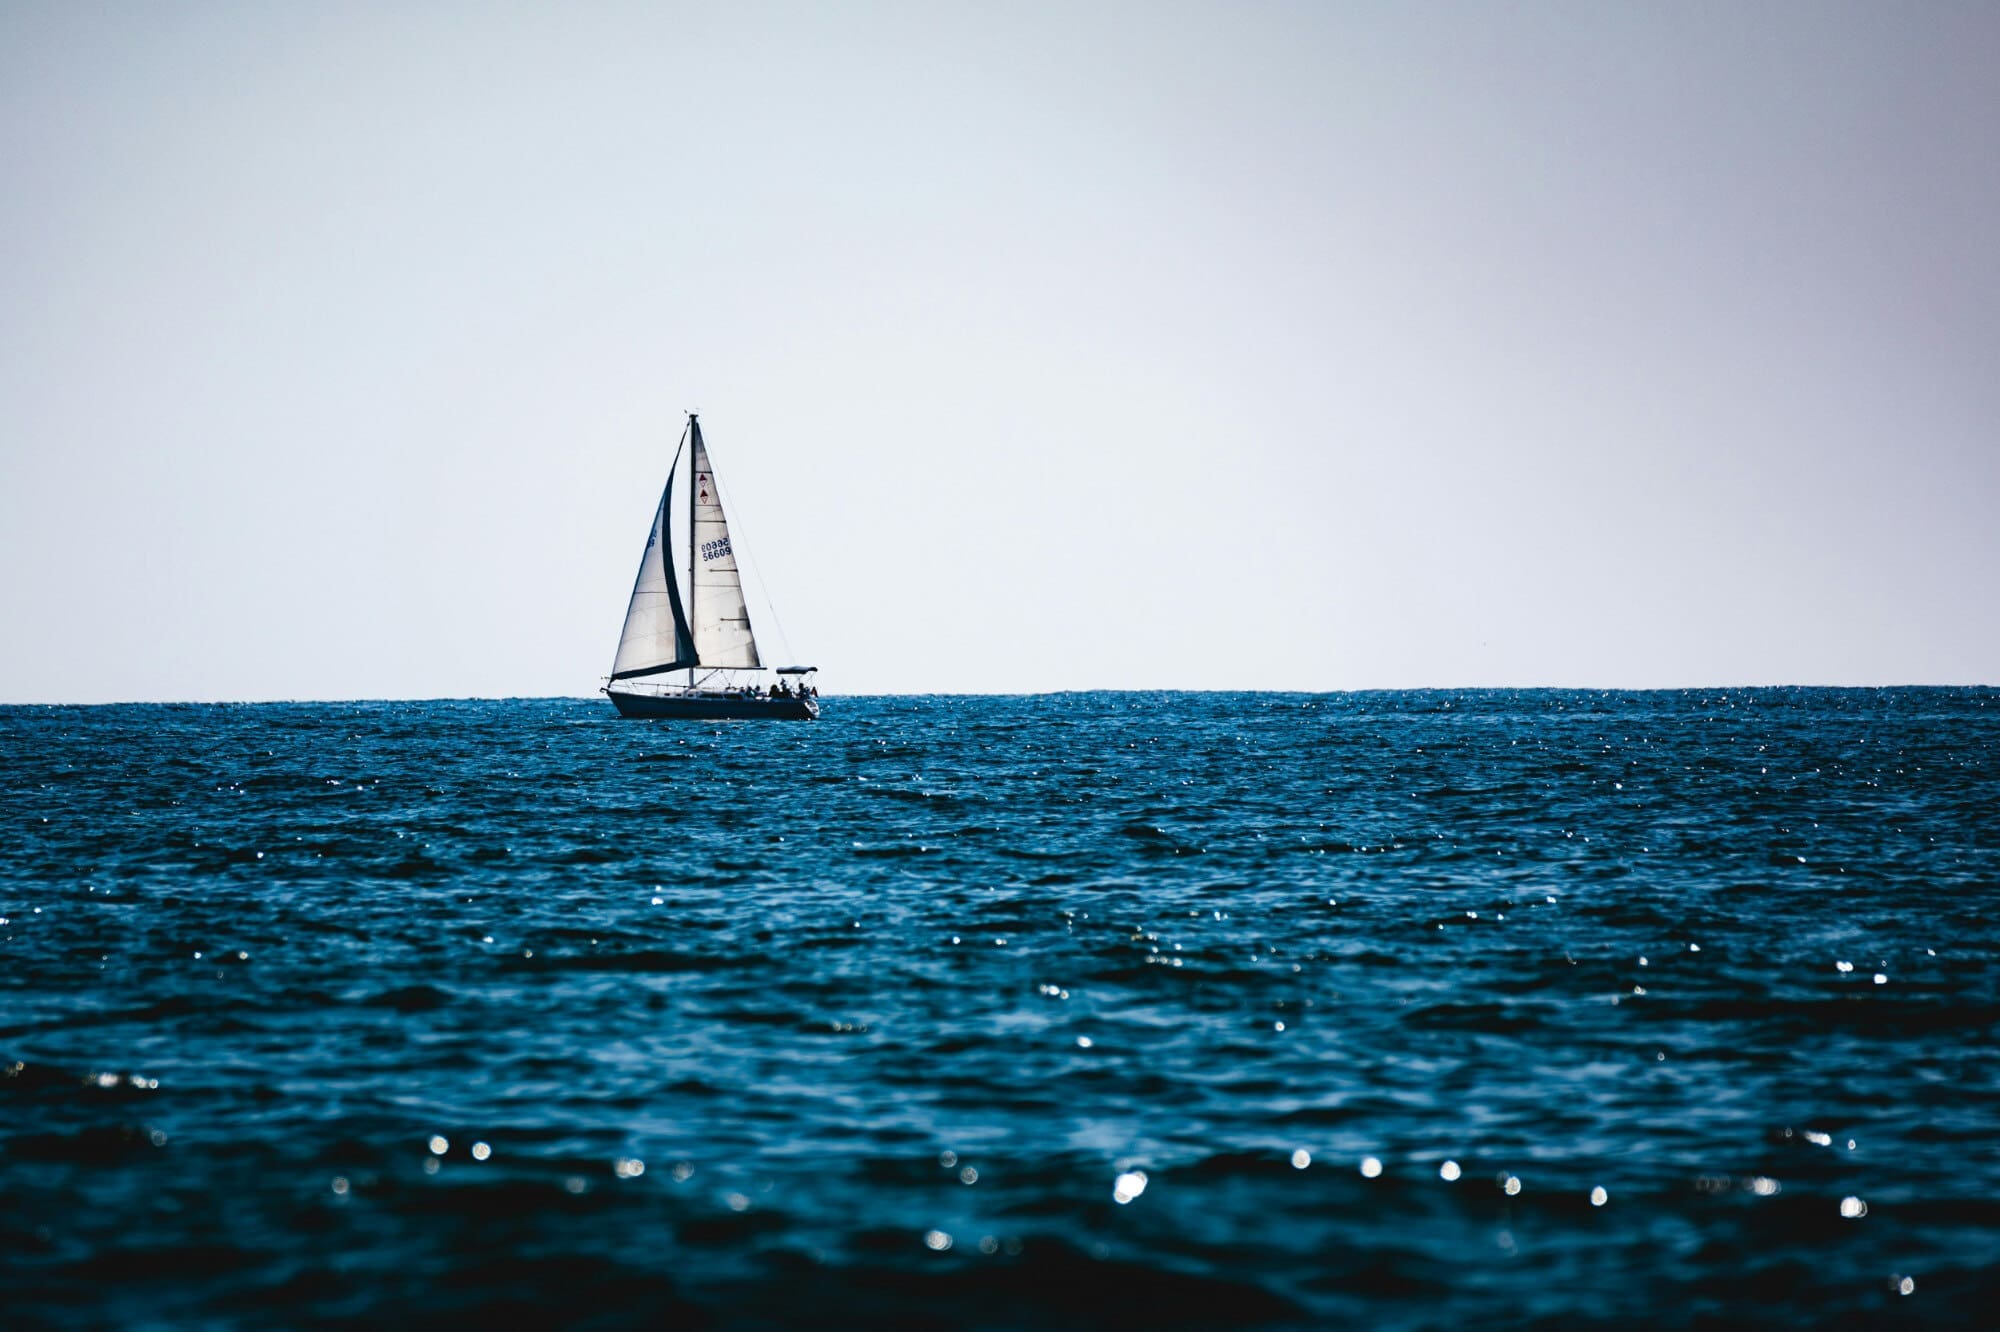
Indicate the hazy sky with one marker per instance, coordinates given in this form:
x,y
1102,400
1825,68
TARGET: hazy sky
x,y
343,347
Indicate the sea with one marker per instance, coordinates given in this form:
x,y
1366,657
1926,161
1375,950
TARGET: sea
x,y
1388,1010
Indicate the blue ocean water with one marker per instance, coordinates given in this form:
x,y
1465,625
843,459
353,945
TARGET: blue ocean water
x,y
1398,1010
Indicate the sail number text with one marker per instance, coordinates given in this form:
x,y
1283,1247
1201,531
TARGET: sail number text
x,y
714,550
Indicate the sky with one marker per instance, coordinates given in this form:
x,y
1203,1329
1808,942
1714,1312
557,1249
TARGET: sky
x,y
344,347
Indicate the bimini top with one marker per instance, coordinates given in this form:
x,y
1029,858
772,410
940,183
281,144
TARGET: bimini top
x,y
797,670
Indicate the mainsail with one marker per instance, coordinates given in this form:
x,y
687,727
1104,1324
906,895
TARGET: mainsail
x,y
656,636
716,610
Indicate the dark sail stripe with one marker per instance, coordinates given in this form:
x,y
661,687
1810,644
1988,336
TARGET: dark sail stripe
x,y
653,670
684,653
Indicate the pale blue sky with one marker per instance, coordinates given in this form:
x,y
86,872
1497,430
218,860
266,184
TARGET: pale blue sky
x,y
343,347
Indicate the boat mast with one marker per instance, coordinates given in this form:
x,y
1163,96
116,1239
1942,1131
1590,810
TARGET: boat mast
x,y
694,479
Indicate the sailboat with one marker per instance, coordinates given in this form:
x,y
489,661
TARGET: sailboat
x,y
709,634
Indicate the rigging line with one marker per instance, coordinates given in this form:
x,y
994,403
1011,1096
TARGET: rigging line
x,y
756,570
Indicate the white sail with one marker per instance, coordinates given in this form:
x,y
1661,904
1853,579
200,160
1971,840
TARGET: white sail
x,y
716,611
655,637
